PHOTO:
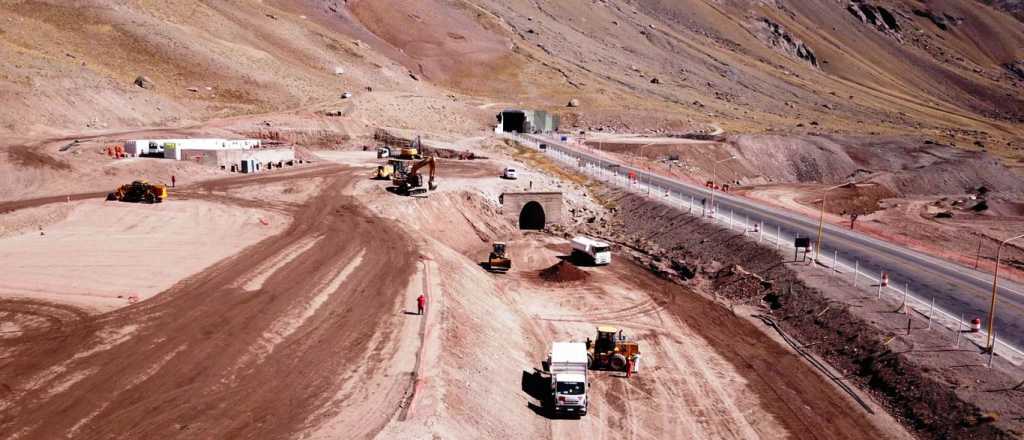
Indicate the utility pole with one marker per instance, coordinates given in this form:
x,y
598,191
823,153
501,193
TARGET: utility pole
x,y
995,280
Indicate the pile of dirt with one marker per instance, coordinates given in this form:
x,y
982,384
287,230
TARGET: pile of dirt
x,y
739,285
31,158
563,272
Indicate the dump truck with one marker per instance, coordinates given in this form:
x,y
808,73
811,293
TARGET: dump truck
x,y
591,251
498,261
567,365
139,191
612,351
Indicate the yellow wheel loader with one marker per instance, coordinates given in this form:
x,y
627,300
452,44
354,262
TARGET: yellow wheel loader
x,y
498,261
611,350
139,191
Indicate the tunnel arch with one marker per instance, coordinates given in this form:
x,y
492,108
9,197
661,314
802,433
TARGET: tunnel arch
x,y
532,216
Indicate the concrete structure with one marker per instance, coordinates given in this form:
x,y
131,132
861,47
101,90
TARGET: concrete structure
x,y
533,210
231,160
526,121
172,148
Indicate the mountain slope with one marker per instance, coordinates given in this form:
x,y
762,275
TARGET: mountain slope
x,y
939,69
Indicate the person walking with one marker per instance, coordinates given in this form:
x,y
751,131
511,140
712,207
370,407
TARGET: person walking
x,y
172,180
421,304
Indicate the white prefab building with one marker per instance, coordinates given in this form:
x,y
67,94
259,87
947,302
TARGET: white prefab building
x,y
172,148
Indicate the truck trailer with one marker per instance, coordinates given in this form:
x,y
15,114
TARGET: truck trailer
x,y
567,365
593,251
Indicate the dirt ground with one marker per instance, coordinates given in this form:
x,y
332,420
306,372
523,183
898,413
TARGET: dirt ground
x,y
320,316
104,255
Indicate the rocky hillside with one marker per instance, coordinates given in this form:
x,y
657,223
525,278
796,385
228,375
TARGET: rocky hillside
x,y
946,69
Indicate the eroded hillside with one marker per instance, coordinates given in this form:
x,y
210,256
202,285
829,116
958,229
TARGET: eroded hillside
x,y
948,69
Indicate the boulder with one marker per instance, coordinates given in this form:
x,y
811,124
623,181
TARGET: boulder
x,y
144,82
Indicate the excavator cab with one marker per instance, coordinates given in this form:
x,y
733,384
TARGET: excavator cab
x,y
498,261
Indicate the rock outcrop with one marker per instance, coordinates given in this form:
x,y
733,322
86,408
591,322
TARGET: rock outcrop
x,y
877,16
774,35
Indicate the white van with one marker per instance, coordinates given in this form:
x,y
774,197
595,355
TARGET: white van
x,y
597,252
510,173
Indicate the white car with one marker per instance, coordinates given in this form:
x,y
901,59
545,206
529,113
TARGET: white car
x,y
510,173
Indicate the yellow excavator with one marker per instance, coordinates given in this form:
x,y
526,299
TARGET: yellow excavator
x,y
139,191
499,261
411,183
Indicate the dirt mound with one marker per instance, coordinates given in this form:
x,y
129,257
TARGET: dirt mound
x,y
30,158
563,272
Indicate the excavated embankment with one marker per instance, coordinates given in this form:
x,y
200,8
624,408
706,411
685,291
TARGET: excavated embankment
x,y
681,247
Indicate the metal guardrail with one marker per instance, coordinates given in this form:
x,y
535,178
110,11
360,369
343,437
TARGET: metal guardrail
x,y
780,240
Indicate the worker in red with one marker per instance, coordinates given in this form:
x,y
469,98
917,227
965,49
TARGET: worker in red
x,y
172,180
421,304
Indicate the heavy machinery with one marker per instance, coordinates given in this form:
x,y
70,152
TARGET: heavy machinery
x,y
139,191
411,152
567,366
385,171
611,350
498,261
410,183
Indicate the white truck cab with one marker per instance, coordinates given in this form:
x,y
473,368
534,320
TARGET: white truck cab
x,y
567,364
510,173
597,252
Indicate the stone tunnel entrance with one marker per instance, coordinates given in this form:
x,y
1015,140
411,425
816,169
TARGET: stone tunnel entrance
x,y
532,216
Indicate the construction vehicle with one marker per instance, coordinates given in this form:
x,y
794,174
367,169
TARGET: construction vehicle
x,y
139,191
612,351
410,183
411,152
498,261
385,171
591,251
383,152
567,365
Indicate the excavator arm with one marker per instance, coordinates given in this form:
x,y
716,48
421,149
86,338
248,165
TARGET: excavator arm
x,y
428,162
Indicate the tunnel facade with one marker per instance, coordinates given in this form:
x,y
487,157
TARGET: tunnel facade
x,y
533,210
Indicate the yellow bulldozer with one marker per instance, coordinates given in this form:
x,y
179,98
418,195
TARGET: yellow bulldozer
x,y
498,261
611,350
139,191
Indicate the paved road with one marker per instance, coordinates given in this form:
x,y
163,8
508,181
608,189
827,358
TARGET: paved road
x,y
956,289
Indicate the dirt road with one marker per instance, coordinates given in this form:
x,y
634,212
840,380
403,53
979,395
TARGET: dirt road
x,y
262,345
704,372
